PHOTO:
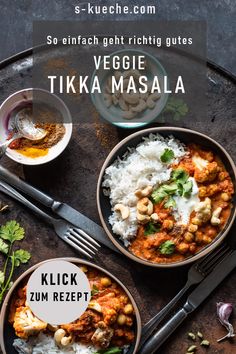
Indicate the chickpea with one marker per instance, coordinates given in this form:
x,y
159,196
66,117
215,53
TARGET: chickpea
x,y
129,321
202,191
192,228
199,237
211,232
222,176
128,309
206,239
193,248
168,224
188,236
105,282
121,320
225,197
183,248
196,221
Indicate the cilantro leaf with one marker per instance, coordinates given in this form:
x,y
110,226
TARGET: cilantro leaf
x,y
12,231
2,278
94,290
170,203
179,175
114,350
177,107
151,229
167,156
3,247
167,247
187,188
163,191
21,256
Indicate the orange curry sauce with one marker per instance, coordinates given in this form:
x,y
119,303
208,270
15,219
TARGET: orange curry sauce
x,y
114,322
213,182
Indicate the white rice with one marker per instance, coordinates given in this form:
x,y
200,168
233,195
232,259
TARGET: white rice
x,y
138,168
43,344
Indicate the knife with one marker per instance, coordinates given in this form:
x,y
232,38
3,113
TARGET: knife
x,y
194,300
61,209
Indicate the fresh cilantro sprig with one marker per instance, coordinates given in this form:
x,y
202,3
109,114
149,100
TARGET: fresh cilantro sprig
x,y
167,247
180,184
176,107
9,234
94,290
167,156
151,229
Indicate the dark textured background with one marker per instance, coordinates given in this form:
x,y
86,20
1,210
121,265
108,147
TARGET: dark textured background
x,y
17,16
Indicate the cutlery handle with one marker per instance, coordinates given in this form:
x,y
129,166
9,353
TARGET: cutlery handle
x,y
154,343
10,191
25,187
151,325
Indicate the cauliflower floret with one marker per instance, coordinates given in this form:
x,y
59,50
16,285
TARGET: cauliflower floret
x,y
102,336
206,174
203,210
26,324
215,219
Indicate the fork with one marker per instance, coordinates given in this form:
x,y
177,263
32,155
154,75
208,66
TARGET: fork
x,y
196,274
74,236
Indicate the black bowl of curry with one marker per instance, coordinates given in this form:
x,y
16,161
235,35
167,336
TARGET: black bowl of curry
x,y
165,196
111,323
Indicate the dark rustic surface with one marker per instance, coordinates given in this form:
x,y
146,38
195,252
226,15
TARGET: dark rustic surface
x,y
73,177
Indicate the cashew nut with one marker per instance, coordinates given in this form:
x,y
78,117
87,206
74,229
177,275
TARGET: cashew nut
x,y
155,96
131,98
143,96
129,114
143,192
215,220
66,341
61,338
58,335
150,103
107,99
115,100
143,218
140,107
124,210
123,105
93,305
145,206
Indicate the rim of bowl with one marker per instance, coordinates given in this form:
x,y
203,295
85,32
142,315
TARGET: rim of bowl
x,y
207,249
68,127
131,125
74,260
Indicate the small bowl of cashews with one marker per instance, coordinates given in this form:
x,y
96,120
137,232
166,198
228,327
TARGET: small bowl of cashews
x,y
132,92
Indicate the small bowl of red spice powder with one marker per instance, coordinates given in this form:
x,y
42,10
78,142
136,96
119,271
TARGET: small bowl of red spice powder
x,y
48,112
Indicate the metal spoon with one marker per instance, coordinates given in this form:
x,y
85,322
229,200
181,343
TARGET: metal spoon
x,y
24,128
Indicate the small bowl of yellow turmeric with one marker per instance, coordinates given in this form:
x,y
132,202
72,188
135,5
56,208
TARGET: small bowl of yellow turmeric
x,y
48,112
